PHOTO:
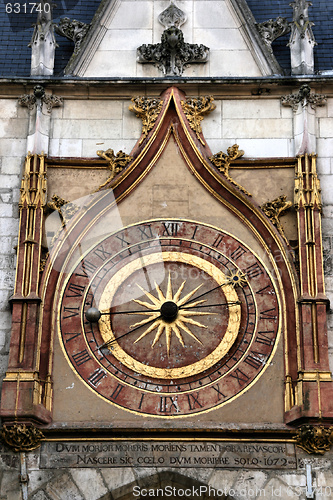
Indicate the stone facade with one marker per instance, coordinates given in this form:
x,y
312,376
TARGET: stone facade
x,y
95,115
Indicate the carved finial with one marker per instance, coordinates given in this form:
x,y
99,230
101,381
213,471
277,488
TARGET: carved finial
x,y
148,110
172,16
274,209
314,439
302,40
20,437
73,30
222,162
272,29
305,97
195,108
116,163
43,43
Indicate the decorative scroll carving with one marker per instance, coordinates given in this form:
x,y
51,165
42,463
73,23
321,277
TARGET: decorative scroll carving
x,y
195,109
148,110
30,100
65,208
222,162
20,437
73,30
272,29
305,97
172,16
173,54
116,163
274,209
314,439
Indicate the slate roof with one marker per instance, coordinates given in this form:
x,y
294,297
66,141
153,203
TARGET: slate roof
x,y
16,31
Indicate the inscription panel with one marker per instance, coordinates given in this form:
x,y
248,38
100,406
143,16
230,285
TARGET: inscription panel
x,y
63,454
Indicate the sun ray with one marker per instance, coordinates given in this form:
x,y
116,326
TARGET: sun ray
x,y
149,295
193,304
192,322
179,291
147,320
187,330
188,296
151,328
169,289
193,313
158,334
178,334
145,304
159,292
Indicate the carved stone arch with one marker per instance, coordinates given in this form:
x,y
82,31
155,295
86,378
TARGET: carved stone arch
x,y
171,479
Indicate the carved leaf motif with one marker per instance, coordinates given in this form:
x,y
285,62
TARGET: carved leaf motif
x,y
20,437
222,162
314,439
116,163
274,209
195,109
148,110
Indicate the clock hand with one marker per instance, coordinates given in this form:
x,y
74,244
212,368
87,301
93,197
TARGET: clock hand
x,y
110,342
234,303
93,314
205,293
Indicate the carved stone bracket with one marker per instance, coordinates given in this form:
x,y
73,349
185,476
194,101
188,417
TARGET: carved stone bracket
x,y
272,29
305,97
148,110
274,209
222,162
195,109
30,100
20,437
116,163
173,54
73,30
314,439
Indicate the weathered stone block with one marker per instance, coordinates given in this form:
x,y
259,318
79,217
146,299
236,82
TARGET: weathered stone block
x,y
90,481
244,108
63,488
257,129
92,109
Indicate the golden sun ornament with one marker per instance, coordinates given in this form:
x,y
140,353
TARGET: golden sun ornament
x,y
170,314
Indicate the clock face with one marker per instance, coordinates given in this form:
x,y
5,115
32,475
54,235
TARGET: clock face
x,y
169,318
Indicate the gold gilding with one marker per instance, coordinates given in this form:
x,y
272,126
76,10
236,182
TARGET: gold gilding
x,y
170,373
195,109
222,162
274,209
314,439
21,438
148,110
116,163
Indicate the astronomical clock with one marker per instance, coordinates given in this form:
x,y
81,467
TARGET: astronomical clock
x,y
170,288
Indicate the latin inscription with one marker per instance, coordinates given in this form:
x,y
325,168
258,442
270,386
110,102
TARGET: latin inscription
x,y
173,453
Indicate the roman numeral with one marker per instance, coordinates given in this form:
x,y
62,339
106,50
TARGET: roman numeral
x,y
141,401
240,376
146,232
96,377
116,392
267,289
124,243
193,401
264,339
81,357
195,230
73,336
167,404
236,254
269,314
76,290
254,271
218,240
102,253
252,361
220,394
170,228
87,267
71,312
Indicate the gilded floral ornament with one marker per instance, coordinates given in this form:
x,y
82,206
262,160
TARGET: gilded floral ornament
x,y
20,437
148,110
274,209
116,163
65,208
195,109
222,162
314,439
